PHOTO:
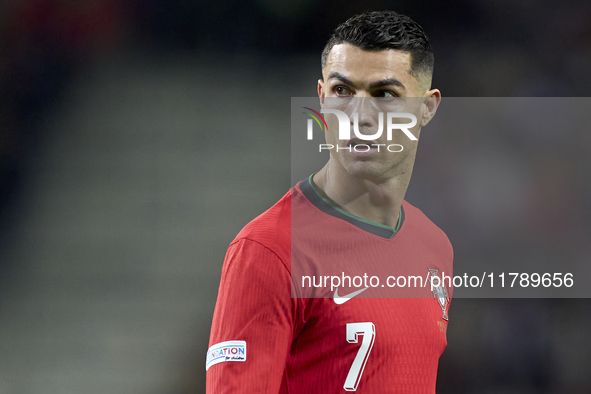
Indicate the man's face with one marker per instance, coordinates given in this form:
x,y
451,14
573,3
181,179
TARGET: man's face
x,y
370,83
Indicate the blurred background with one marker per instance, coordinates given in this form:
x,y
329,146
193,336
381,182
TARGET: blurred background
x,y
123,178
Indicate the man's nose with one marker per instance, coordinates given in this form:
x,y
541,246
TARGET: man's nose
x,y
367,114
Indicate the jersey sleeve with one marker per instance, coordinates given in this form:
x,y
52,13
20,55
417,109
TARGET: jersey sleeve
x,y
255,310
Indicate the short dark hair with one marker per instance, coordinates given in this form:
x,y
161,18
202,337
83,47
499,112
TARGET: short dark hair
x,y
381,30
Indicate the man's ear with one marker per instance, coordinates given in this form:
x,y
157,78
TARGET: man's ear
x,y
321,91
430,105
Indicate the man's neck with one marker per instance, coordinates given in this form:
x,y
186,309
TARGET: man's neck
x,y
375,201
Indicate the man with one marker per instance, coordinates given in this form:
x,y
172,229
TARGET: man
x,y
272,332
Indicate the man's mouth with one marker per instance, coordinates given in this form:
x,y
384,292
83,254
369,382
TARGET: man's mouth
x,y
353,142
362,149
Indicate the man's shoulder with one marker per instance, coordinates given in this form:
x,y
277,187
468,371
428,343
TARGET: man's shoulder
x,y
420,224
271,229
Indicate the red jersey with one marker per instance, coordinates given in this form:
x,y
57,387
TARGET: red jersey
x,y
277,329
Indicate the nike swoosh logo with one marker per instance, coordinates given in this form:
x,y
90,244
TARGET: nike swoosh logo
x,y
341,300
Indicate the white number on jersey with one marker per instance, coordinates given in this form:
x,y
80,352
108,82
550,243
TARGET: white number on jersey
x,y
368,330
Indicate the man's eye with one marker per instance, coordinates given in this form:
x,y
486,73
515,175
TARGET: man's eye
x,y
342,91
385,94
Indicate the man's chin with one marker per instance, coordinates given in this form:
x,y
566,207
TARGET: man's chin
x,y
367,170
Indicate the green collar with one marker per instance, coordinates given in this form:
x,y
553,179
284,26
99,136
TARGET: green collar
x,y
327,206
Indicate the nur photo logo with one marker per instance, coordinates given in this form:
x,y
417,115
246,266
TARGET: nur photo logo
x,y
358,140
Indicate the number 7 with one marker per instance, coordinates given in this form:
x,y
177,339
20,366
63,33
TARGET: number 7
x,y
368,330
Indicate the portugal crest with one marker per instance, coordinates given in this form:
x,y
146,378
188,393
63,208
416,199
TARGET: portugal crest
x,y
440,294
